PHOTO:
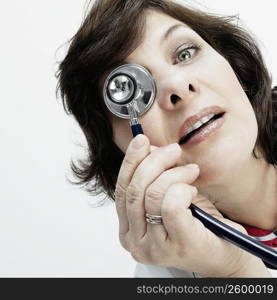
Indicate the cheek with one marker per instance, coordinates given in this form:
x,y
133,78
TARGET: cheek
x,y
214,72
155,125
152,125
221,77
226,84
239,105
246,124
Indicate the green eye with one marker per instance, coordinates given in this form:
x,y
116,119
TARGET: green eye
x,y
186,54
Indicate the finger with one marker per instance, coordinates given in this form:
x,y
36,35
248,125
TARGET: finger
x,y
152,148
156,191
136,152
177,216
148,170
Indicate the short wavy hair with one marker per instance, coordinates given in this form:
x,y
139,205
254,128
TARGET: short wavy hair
x,y
111,30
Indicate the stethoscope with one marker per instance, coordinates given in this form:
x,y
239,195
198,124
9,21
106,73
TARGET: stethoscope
x,y
129,91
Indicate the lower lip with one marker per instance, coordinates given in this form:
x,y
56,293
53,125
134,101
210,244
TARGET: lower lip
x,y
205,132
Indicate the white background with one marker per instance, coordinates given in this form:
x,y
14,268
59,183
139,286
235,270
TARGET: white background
x,y
48,228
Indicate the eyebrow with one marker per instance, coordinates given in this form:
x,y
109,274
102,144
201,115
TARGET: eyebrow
x,y
170,30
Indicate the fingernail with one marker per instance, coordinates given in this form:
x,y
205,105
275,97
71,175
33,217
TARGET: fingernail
x,y
138,141
192,166
171,147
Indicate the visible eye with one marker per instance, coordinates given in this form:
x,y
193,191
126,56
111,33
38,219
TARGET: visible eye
x,y
187,53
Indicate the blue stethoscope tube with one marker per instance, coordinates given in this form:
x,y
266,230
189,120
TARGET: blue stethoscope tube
x,y
243,241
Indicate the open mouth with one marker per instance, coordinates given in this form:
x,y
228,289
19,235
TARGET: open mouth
x,y
188,136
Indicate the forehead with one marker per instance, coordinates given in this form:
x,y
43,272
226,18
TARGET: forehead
x,y
159,28
156,20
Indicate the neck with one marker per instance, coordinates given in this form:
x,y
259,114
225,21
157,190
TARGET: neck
x,y
249,197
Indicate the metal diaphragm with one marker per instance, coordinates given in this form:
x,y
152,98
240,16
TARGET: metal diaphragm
x,y
129,84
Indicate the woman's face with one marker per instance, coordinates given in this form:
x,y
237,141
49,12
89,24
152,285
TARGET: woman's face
x,y
191,76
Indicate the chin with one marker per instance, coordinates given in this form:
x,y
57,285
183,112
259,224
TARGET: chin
x,y
215,172
207,178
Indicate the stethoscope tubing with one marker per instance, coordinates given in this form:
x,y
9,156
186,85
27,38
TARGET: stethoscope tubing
x,y
232,235
243,241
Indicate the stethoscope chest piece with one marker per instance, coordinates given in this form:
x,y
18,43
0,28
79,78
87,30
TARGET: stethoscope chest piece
x,y
129,85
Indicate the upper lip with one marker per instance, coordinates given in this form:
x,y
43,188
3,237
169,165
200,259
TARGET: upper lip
x,y
198,116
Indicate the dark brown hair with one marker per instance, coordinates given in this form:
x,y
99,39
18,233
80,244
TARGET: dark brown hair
x,y
111,30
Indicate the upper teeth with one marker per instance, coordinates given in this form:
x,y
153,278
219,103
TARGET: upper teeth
x,y
200,123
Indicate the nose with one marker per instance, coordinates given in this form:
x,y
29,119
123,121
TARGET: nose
x,y
175,88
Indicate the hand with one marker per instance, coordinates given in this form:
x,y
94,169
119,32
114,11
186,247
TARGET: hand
x,y
151,182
